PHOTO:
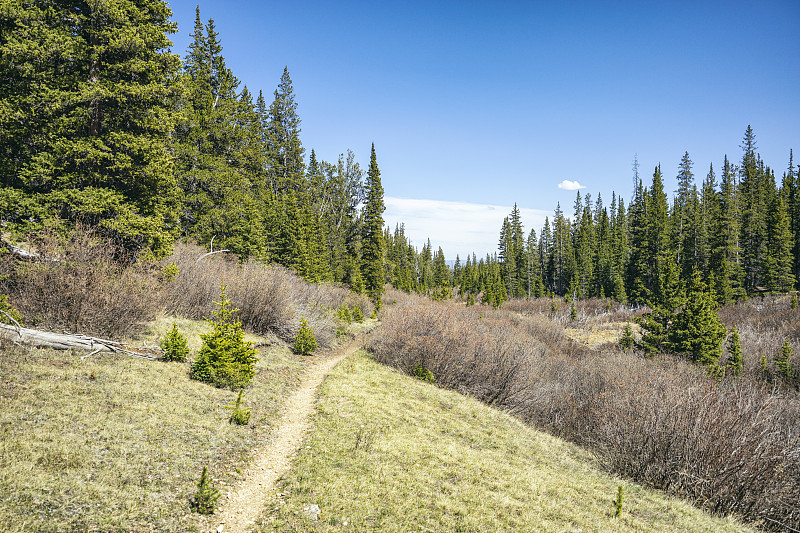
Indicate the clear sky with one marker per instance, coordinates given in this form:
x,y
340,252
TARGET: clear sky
x,y
474,106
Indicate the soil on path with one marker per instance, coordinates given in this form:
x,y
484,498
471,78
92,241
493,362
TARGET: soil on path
x,y
243,504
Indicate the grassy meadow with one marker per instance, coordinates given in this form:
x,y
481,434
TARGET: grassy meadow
x,y
392,453
115,443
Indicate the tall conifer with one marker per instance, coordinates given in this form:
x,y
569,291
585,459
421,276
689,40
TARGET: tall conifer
x,y
87,99
373,246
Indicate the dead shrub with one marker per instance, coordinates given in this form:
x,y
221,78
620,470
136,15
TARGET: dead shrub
x,y
271,299
86,285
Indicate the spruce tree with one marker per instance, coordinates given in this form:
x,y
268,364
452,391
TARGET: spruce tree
x,y
735,360
87,96
783,361
778,262
697,331
225,359
285,151
373,249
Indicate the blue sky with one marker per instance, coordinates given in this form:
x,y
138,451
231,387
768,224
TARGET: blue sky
x,y
474,106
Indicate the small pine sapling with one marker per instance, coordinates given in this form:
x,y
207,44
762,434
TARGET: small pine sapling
x,y
794,300
420,372
175,346
618,502
553,306
239,416
205,499
343,314
304,342
573,312
170,272
782,361
626,341
358,315
226,359
735,359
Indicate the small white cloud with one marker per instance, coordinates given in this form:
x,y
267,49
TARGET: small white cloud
x,y
570,185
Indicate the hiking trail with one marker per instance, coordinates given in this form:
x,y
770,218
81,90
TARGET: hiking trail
x,y
241,506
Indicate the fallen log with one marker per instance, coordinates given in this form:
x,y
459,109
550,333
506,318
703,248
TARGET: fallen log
x,y
25,255
67,341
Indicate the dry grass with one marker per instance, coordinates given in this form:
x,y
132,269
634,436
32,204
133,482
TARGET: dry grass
x,y
730,447
390,453
112,443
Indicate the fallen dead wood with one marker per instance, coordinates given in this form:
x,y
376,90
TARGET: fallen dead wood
x,y
68,341
25,255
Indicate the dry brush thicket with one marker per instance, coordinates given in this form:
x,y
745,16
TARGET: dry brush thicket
x,y
730,447
270,298
84,286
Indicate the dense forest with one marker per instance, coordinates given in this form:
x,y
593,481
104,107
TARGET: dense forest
x,y
738,231
103,125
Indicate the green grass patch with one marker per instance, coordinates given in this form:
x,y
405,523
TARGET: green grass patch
x,y
114,443
391,453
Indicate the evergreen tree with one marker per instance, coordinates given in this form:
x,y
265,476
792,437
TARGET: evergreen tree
x,y
756,197
220,162
284,149
698,332
225,359
441,273
783,361
684,217
735,360
87,96
778,262
373,245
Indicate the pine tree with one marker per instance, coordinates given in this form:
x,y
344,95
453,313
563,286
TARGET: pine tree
x,y
175,346
684,217
783,361
304,342
756,194
225,359
373,246
285,151
205,499
778,262
735,360
220,161
697,331
87,99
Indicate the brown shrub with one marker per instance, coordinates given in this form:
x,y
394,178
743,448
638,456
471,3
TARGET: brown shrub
x,y
763,323
85,286
732,447
270,298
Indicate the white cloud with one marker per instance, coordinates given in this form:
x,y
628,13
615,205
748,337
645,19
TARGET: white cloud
x,y
570,185
458,227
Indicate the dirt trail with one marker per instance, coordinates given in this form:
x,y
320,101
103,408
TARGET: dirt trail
x,y
243,504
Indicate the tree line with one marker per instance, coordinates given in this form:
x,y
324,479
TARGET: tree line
x,y
736,230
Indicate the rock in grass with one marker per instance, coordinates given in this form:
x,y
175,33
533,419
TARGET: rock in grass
x,y
312,511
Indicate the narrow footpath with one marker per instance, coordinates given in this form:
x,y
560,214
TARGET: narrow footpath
x,y
241,506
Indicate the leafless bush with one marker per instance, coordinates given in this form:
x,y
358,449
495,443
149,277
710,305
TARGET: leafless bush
x,y
85,286
763,324
270,298
731,447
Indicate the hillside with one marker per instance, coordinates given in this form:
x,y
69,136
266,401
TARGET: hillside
x,y
392,453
